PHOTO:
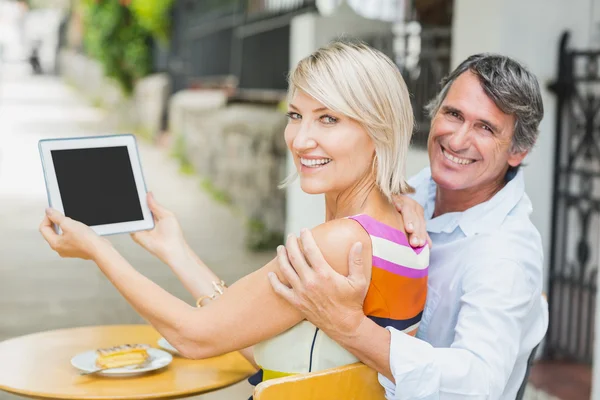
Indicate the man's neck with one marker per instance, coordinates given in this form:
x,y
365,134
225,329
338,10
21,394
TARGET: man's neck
x,y
447,201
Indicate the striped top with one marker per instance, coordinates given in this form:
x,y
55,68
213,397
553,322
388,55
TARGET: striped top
x,y
396,297
398,288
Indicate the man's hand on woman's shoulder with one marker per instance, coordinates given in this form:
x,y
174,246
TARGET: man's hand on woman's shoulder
x,y
414,220
316,264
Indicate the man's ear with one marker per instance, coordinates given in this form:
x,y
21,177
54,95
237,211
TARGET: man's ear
x,y
516,158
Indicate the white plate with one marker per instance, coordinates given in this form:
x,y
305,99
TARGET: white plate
x,y
87,362
164,344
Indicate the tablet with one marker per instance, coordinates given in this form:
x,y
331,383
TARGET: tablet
x,y
97,181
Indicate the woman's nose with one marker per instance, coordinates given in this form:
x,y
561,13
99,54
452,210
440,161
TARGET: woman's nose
x,y
304,140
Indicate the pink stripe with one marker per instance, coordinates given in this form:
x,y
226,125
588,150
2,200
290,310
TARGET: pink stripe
x,y
381,230
399,269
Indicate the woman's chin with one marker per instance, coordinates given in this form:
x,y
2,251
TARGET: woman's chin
x,y
310,188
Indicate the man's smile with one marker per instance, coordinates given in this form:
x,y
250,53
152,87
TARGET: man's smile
x,y
455,159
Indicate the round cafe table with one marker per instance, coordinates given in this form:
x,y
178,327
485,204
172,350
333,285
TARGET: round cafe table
x,y
39,366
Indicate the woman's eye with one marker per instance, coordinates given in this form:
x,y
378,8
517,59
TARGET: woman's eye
x,y
293,115
328,119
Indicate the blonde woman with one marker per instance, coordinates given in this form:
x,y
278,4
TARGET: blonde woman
x,y
350,123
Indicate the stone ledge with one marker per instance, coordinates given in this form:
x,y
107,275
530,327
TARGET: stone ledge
x,y
192,102
240,152
143,112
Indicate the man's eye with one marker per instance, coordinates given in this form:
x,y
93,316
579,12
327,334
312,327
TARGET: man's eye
x,y
293,115
453,114
487,128
328,119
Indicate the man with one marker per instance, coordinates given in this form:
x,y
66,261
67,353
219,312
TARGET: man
x,y
485,313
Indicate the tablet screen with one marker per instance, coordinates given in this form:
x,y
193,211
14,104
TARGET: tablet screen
x,y
96,185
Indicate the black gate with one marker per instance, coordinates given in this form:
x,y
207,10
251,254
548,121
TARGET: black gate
x,y
242,44
576,206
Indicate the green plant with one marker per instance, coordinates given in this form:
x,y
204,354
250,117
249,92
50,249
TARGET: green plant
x,y
115,38
218,195
178,153
153,15
144,134
187,169
178,149
97,102
259,238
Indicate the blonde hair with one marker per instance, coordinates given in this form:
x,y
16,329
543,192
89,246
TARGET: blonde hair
x,y
365,85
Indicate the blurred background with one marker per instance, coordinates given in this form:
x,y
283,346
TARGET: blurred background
x,y
202,84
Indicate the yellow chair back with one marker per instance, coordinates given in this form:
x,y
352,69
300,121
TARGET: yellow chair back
x,y
355,381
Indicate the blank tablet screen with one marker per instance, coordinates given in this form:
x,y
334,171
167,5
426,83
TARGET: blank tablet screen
x,y
96,185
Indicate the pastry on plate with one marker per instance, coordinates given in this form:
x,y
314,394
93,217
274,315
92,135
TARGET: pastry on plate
x,y
121,356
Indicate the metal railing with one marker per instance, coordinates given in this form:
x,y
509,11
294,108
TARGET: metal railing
x,y
243,43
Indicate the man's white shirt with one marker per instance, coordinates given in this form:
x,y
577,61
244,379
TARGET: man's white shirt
x,y
485,312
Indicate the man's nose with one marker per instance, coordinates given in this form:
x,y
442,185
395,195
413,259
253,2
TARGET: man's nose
x,y
460,138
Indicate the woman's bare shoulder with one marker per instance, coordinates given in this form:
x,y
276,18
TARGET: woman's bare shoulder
x,y
335,238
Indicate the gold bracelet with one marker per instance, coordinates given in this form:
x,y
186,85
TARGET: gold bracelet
x,y
219,289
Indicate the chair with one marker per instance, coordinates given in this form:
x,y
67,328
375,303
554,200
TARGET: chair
x,y
355,381
521,392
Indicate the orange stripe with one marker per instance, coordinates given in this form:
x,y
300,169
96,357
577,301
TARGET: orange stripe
x,y
394,296
412,333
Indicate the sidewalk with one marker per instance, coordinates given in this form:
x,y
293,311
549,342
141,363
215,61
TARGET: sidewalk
x,y
39,290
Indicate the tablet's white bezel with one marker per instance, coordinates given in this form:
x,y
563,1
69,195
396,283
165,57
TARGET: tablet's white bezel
x,y
46,146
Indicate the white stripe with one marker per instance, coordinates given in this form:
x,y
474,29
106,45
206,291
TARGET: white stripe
x,y
399,254
411,328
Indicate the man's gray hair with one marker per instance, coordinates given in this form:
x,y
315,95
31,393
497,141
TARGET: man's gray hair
x,y
511,86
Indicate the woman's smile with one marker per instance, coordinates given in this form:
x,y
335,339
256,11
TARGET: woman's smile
x,y
309,165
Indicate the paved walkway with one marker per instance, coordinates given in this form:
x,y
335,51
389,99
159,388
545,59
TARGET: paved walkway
x,y
41,291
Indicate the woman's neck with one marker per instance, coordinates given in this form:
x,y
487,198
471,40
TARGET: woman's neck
x,y
364,197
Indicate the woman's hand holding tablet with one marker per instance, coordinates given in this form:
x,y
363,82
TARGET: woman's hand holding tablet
x,y
97,181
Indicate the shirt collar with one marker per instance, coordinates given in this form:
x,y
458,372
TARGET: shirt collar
x,y
484,217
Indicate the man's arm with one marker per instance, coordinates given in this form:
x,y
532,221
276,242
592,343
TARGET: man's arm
x,y
496,299
370,343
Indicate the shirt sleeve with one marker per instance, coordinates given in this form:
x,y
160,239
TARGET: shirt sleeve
x,y
495,301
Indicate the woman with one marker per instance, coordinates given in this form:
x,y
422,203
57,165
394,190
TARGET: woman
x,y
350,123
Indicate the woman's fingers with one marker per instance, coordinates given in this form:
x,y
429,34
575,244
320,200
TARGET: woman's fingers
x,y
55,216
47,231
158,210
138,237
76,239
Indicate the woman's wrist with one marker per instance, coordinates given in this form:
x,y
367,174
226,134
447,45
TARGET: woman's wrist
x,y
176,256
99,248
191,254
